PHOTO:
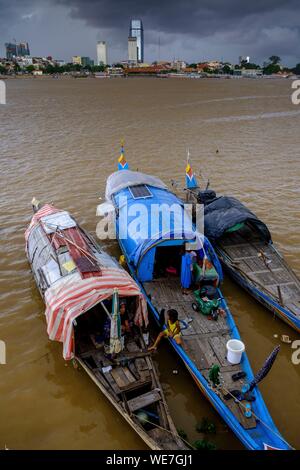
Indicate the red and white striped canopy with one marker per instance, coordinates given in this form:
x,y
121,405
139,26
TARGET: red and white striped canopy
x,y
72,295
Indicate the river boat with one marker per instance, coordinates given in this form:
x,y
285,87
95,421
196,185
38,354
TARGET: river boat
x,y
82,287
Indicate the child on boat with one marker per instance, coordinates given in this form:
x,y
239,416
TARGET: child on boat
x,y
172,331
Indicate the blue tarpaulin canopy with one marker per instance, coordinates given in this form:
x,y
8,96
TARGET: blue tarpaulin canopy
x,y
138,212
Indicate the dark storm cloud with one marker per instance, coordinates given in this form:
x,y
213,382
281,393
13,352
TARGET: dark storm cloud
x,y
260,27
191,29
200,17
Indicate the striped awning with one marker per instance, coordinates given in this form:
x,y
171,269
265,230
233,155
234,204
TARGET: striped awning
x,y
72,294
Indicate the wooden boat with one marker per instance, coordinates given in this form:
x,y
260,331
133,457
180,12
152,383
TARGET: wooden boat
x,y
244,245
204,341
79,282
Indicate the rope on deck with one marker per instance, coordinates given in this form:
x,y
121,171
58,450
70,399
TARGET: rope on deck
x,y
167,430
257,417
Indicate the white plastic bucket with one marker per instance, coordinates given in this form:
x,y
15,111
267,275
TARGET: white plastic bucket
x,y
235,349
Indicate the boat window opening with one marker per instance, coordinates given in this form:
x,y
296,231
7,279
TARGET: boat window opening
x,y
140,191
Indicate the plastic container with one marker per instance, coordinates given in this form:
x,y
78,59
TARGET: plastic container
x,y
235,349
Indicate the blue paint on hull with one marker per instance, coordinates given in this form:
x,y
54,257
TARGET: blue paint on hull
x,y
252,439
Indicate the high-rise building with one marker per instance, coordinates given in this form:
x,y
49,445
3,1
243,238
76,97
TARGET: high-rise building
x,y
137,31
132,50
14,49
101,53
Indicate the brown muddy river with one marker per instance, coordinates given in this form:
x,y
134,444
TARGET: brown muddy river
x,y
59,141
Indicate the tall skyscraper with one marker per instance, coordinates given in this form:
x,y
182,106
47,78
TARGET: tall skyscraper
x,y
137,31
14,49
101,53
132,50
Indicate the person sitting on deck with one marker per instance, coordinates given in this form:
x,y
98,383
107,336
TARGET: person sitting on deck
x,y
205,271
125,327
172,331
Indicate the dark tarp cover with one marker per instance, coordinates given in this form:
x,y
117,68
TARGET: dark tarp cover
x,y
225,212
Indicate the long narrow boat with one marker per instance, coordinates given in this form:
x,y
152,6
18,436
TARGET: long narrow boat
x,y
135,199
245,247
80,285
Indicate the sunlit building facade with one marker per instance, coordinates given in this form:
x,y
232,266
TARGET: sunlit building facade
x,y
137,31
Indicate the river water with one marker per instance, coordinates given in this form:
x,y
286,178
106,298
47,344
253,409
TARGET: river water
x,y
59,141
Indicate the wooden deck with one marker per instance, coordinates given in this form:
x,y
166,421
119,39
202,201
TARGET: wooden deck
x,y
131,383
261,264
204,340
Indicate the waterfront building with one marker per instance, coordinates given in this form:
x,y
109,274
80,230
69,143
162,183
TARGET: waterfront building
x,y
86,61
132,50
76,60
101,53
136,30
24,61
244,59
14,49
60,62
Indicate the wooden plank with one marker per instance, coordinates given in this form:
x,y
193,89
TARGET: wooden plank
x,y
238,411
111,382
135,385
119,376
106,385
144,400
194,350
164,439
142,368
129,375
218,344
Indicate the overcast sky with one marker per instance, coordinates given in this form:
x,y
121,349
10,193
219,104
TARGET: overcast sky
x,y
193,30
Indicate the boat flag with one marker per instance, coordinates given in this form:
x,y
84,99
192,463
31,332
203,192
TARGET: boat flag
x,y
190,178
122,163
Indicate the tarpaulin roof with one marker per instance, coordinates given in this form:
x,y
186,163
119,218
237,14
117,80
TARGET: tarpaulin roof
x,y
68,292
138,239
126,178
225,212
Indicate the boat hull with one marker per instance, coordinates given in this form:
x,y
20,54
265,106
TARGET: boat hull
x,y
265,300
203,385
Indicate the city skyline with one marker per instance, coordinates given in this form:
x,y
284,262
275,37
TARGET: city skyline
x,y
190,32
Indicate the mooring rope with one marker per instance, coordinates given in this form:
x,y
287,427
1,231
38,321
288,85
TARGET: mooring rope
x,y
167,430
256,416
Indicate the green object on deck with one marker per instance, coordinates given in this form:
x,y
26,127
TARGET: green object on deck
x,y
206,307
235,227
214,374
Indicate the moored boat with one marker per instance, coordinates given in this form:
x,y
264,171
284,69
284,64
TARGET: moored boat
x,y
244,245
99,314
154,261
